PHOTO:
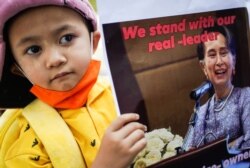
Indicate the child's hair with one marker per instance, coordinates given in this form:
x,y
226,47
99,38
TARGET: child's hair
x,y
14,89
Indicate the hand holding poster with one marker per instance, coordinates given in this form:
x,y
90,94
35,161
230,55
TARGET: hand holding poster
x,y
153,59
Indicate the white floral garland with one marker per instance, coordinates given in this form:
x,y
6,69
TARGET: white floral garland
x,y
161,144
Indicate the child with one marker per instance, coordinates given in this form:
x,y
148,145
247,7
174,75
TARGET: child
x,y
49,43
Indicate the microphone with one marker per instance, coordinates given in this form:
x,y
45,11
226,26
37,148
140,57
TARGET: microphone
x,y
198,92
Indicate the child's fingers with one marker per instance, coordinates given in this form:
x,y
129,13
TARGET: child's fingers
x,y
138,145
129,128
135,136
123,120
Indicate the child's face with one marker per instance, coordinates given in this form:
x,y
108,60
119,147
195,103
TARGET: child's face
x,y
52,46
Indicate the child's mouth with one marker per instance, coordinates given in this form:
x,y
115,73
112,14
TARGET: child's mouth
x,y
60,75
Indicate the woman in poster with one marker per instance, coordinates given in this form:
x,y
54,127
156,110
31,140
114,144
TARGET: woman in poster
x,y
227,112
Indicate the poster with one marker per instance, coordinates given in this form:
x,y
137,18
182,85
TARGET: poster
x,y
151,50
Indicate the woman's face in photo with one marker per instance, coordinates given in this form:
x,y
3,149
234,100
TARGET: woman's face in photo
x,y
218,63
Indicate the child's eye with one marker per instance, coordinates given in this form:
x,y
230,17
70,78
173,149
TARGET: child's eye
x,y
33,50
66,39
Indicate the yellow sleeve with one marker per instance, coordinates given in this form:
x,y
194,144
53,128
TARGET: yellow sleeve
x,y
21,148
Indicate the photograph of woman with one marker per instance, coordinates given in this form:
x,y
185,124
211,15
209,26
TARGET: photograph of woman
x,y
227,112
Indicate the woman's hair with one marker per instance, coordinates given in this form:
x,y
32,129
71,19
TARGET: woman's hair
x,y
230,42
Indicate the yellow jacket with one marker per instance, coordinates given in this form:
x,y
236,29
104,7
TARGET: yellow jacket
x,y
38,136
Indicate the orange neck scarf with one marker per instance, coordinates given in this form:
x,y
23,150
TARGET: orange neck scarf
x,y
74,98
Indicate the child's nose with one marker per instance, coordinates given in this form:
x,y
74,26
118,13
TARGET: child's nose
x,y
55,59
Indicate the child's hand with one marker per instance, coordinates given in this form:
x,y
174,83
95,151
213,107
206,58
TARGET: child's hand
x,y
123,140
